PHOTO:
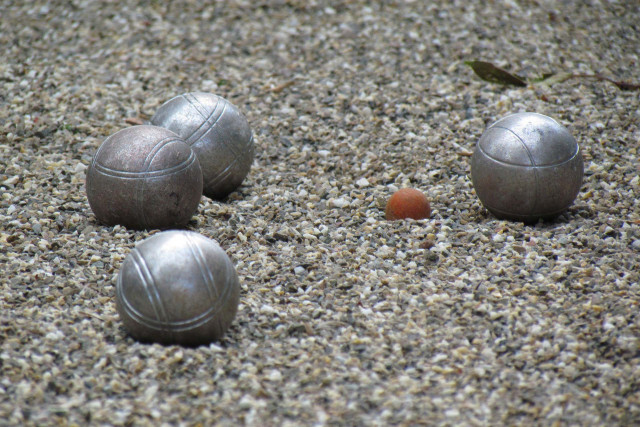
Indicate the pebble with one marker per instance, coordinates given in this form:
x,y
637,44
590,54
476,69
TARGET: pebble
x,y
362,182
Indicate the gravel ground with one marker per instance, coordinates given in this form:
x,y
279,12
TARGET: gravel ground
x,y
344,318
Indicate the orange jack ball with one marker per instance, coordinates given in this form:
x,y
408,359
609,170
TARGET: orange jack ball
x,y
408,203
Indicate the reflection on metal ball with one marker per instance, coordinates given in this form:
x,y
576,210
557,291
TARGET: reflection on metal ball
x,y
177,287
525,167
144,177
218,133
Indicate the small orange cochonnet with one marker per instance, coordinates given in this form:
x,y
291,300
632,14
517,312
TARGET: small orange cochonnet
x,y
408,203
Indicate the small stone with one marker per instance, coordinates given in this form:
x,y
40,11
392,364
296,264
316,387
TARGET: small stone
x,y
339,202
37,228
362,182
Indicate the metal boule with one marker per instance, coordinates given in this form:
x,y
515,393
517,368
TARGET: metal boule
x,y
218,133
144,177
177,287
527,166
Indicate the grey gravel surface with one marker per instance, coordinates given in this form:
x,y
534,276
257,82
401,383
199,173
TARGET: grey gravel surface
x,y
344,318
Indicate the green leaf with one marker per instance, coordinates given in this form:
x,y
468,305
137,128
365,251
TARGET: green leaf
x,y
556,78
490,73
543,77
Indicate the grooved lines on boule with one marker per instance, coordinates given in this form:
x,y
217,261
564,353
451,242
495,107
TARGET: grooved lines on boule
x,y
146,174
503,212
211,120
228,170
573,156
140,185
150,290
209,280
526,149
222,175
205,272
531,161
197,105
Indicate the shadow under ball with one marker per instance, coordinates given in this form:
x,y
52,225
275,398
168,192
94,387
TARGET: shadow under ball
x,y
525,167
144,177
219,134
177,287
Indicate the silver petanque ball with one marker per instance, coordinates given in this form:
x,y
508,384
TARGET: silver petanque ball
x,y
177,287
219,134
525,167
144,177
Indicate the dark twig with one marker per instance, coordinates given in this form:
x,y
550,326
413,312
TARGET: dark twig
x,y
490,73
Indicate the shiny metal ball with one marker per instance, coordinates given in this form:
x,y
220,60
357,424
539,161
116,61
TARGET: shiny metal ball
x,y
177,287
218,133
527,166
144,177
